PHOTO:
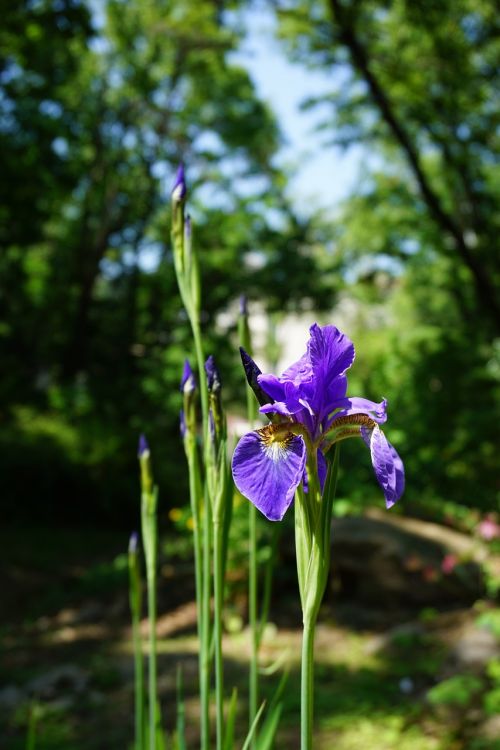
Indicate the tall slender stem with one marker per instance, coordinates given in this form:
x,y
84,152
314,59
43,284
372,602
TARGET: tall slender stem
x,y
206,583
200,361
307,684
253,617
139,682
153,697
205,639
195,491
218,604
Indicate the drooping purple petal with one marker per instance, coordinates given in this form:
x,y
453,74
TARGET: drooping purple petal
x,y
278,407
267,471
355,405
387,464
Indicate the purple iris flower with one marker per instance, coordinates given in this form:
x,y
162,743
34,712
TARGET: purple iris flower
x,y
310,412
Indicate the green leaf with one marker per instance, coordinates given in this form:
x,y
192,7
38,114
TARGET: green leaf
x,y
230,721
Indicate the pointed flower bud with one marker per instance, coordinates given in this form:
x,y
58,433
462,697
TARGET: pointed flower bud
x,y
243,304
188,380
145,464
252,371
133,543
214,384
179,189
143,446
189,390
214,381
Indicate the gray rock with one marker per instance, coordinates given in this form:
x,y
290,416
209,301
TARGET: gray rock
x,y
64,679
474,649
10,697
393,561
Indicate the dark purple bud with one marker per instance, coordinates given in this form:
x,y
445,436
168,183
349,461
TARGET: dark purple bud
x,y
213,375
179,189
188,380
133,543
243,305
143,446
252,372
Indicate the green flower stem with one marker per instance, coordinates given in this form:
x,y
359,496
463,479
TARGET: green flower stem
x,y
196,493
313,512
153,693
150,539
135,608
200,360
206,631
253,618
139,684
307,684
256,628
218,606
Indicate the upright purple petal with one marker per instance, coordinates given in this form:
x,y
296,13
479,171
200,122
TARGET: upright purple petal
x,y
267,471
330,351
300,372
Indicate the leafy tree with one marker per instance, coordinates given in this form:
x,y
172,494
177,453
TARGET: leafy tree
x,y
415,83
92,334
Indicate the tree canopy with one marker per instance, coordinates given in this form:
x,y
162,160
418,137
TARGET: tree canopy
x,y
98,105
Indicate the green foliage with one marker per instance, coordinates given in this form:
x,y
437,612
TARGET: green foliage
x,y
98,106
418,241
456,691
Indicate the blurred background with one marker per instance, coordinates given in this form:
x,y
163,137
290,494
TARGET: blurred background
x,y
342,164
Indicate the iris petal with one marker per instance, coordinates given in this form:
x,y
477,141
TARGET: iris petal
x,y
330,351
356,405
387,465
268,471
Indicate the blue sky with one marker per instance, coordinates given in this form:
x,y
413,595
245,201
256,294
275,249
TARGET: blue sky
x,y
325,174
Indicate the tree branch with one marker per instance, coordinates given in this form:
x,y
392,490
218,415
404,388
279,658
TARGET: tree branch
x,y
485,291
